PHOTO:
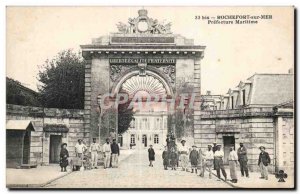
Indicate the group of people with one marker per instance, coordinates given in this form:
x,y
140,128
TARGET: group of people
x,y
213,158
110,150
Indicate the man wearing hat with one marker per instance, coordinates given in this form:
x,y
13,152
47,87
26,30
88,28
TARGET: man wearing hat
x,y
94,149
183,150
106,153
263,162
219,162
208,161
80,148
243,159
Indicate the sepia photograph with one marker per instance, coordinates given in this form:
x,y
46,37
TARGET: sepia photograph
x,y
150,97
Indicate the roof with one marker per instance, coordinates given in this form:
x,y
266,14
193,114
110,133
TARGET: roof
x,y
21,125
271,89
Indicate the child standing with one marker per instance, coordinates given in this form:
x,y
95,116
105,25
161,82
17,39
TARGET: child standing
x,y
194,156
151,155
165,156
173,158
64,154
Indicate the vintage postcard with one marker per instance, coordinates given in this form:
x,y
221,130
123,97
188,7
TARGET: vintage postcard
x,y
150,97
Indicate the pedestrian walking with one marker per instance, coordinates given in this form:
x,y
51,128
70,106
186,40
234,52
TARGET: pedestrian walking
x,y
151,155
165,157
80,148
263,162
219,155
194,156
183,151
173,158
243,160
94,149
64,155
233,160
106,153
208,160
115,153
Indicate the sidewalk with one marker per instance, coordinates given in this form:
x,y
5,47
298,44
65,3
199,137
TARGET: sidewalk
x,y
255,182
34,177
43,175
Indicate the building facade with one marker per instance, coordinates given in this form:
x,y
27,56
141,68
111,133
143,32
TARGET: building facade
x,y
147,128
258,112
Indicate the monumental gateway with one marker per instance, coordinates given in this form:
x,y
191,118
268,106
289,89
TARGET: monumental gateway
x,y
144,53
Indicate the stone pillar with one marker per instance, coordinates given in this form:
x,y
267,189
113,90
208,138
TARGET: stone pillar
x,y
197,100
87,100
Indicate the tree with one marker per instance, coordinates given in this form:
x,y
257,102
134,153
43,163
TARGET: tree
x,y
18,94
62,81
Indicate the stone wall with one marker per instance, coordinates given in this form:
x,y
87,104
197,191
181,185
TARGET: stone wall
x,y
40,117
253,126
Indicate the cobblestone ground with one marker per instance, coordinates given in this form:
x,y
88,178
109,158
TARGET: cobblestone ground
x,y
134,172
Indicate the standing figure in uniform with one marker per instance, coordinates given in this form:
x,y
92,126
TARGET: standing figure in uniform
x,y
115,152
151,155
64,154
194,156
263,161
165,157
243,159
208,160
183,151
219,155
94,149
173,159
233,160
106,153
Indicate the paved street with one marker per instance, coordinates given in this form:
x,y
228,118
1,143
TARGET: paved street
x,y
134,172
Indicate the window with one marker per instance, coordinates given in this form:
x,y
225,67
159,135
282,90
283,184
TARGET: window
x,y
132,124
232,100
156,139
132,139
144,138
244,97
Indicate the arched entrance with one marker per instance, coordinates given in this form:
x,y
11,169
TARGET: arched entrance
x,y
148,94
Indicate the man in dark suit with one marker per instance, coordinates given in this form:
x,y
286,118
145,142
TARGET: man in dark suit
x,y
243,159
263,162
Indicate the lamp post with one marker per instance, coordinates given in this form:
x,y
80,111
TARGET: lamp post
x,y
100,115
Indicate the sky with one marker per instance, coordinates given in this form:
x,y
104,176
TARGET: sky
x,y
233,52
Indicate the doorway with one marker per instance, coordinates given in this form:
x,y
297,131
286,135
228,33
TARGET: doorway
x,y
144,140
229,142
26,147
55,143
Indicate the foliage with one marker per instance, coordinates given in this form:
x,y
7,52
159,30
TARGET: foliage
x,y
62,81
18,94
125,116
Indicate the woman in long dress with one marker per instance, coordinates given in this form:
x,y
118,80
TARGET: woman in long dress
x,y
64,155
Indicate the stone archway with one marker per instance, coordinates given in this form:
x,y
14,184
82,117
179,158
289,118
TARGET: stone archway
x,y
156,52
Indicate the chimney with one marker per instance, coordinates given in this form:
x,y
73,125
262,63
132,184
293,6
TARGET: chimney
x,y
208,92
291,71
